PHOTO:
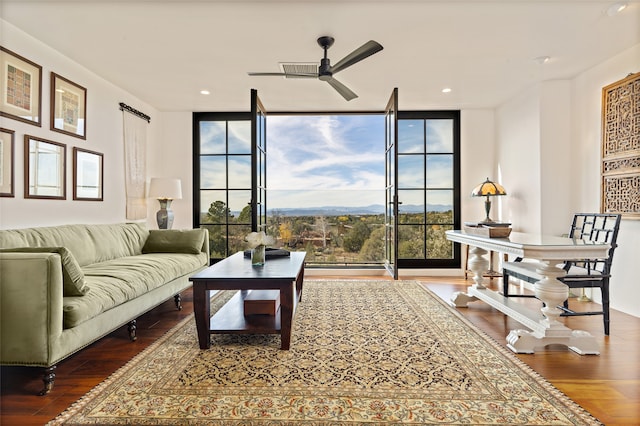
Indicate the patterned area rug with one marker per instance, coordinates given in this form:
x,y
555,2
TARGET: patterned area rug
x,y
362,352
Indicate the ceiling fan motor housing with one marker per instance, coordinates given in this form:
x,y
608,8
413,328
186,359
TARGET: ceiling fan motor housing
x,y
324,70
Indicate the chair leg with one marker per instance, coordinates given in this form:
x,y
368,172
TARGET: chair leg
x,y
605,307
505,283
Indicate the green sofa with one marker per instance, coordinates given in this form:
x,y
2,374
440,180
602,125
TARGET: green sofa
x,y
64,287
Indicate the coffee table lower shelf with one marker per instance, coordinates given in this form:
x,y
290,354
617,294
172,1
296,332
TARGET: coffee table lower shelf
x,y
230,319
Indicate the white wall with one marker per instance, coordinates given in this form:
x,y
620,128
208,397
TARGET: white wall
x,y
104,134
586,149
518,160
477,161
556,162
171,155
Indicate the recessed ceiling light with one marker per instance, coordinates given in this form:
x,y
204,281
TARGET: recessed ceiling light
x,y
205,92
616,8
541,60
446,90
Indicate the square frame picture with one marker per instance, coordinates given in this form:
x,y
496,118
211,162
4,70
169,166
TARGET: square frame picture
x,y
21,81
68,107
7,146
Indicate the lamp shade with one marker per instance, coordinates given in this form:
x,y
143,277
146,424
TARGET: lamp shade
x,y
488,188
165,188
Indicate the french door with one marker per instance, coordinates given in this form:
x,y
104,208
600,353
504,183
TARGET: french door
x,y
391,188
258,164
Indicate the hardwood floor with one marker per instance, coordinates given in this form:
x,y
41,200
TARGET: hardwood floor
x,y
608,385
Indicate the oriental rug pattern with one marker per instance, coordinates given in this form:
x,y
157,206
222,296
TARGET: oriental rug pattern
x,y
362,352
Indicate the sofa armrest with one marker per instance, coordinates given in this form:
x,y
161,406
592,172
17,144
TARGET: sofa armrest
x,y
205,245
31,293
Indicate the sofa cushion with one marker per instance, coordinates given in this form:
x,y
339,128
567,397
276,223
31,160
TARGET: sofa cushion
x,y
174,241
88,243
73,282
116,281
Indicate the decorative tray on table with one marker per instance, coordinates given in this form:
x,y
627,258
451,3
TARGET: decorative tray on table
x,y
488,229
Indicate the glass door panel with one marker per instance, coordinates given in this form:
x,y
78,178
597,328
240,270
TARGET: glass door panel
x,y
391,188
239,139
259,163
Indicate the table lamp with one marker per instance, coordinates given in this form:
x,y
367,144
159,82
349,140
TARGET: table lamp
x,y
488,189
165,190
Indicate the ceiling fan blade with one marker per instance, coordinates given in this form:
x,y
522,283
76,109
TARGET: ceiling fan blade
x,y
284,74
364,51
342,89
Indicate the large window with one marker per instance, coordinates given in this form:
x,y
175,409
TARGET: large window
x,y
325,190
428,187
222,180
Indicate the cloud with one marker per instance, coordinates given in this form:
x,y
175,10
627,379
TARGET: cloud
x,y
325,152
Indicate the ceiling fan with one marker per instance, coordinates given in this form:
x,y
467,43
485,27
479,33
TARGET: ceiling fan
x,y
326,71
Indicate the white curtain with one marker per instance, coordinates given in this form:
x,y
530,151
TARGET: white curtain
x,y
135,165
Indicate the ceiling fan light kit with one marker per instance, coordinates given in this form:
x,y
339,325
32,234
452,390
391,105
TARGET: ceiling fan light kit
x,y
326,71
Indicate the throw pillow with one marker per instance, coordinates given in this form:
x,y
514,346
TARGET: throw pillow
x,y
188,241
73,281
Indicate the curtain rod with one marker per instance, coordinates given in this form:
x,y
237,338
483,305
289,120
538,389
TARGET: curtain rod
x,y
125,107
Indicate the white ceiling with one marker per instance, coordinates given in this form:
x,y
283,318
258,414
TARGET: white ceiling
x,y
165,52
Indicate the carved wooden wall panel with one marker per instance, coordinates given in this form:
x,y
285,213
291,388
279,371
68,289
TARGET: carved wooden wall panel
x,y
621,147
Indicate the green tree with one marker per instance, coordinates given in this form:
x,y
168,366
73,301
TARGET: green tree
x,y
355,238
373,249
245,215
218,212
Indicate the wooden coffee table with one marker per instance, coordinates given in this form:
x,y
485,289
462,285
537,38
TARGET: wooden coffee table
x,y
236,273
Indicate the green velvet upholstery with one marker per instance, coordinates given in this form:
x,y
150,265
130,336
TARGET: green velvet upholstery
x,y
73,280
174,241
88,243
41,323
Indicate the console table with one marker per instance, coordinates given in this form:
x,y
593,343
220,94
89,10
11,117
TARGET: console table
x,y
549,251
236,273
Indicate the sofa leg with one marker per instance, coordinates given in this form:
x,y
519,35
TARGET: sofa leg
x,y
178,300
48,379
132,330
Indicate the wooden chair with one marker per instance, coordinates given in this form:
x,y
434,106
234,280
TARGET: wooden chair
x,y
586,273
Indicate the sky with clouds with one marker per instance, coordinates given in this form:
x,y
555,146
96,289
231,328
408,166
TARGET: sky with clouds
x,y
325,160
330,160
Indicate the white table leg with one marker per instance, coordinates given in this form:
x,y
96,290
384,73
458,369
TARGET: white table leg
x,y
478,264
552,293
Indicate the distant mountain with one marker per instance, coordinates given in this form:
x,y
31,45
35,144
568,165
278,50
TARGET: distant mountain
x,y
343,211
328,210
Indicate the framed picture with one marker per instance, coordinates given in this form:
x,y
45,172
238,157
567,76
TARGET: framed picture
x,y
6,162
45,169
88,175
21,91
620,183
68,107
